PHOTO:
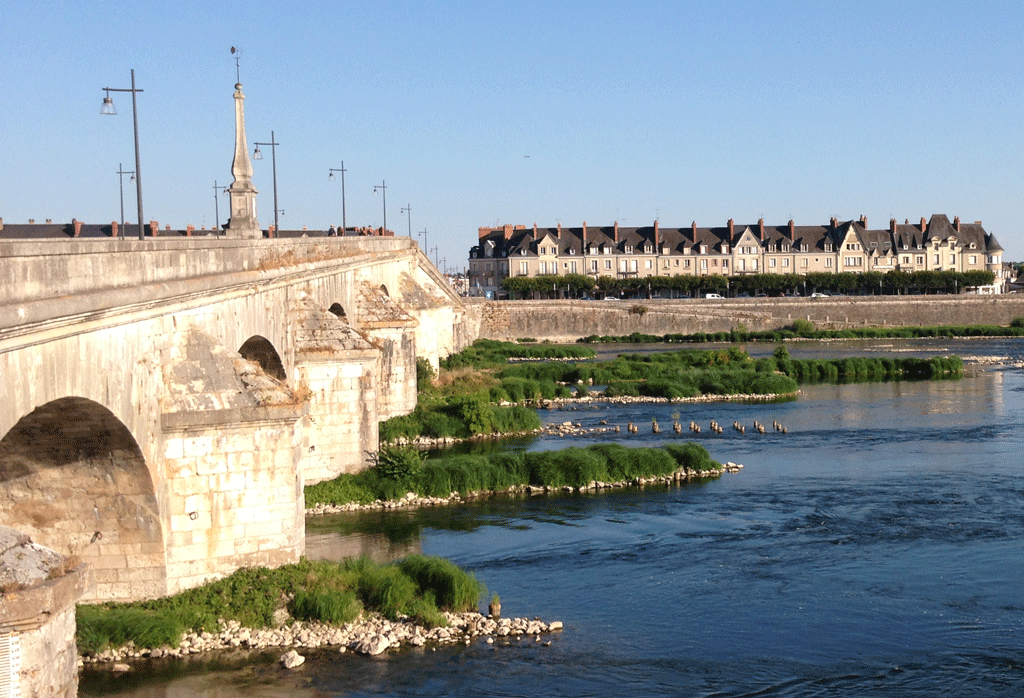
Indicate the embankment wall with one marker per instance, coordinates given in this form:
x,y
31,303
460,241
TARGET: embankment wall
x,y
568,320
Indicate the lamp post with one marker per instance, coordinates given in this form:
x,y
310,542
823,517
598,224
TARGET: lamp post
x,y
408,209
108,110
424,234
121,172
330,177
384,194
257,155
216,204
436,263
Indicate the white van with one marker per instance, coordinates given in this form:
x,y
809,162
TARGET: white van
x,y
713,295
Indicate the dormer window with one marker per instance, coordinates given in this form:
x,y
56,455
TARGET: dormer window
x,y
785,248
572,250
803,248
828,246
771,248
725,249
628,249
647,249
522,251
703,249
664,250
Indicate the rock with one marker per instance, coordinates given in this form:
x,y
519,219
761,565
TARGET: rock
x,y
120,668
372,645
292,659
555,625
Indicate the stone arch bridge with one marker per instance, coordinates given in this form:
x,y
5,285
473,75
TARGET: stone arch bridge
x,y
165,401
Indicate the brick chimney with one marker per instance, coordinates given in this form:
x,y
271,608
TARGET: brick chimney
x,y
77,225
834,221
656,236
559,233
732,231
154,228
864,221
760,227
892,226
583,237
924,225
534,230
188,230
507,231
616,232
792,231
483,232
113,229
956,223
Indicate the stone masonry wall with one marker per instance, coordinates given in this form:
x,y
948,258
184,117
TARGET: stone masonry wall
x,y
570,320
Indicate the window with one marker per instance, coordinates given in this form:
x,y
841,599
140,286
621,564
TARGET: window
x,y
725,249
771,262
785,248
740,265
920,259
629,249
687,265
608,264
647,264
703,249
906,259
828,263
935,259
828,246
524,268
647,249
593,265
572,267
771,248
803,248
632,265
974,259
543,268
666,263
753,265
803,262
725,264
785,261
952,260
704,264
572,250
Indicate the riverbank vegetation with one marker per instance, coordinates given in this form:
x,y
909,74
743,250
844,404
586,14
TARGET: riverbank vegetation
x,y
400,470
803,329
418,586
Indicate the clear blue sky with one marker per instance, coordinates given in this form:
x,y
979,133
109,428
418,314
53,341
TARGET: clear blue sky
x,y
480,112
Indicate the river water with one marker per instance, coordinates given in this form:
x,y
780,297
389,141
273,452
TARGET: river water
x,y
874,549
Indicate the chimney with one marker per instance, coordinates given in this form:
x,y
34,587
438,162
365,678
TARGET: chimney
x,y
508,231
864,221
188,230
792,231
924,225
113,229
892,226
270,231
693,226
760,226
656,230
835,222
559,234
77,226
1,223
616,232
154,228
731,230
482,232
535,230
956,223
583,237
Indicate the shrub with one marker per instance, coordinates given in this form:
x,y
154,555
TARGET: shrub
x,y
1017,322
424,373
336,606
452,588
399,462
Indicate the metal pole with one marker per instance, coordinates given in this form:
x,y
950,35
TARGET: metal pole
x,y
408,210
120,179
273,164
425,248
138,167
344,223
384,191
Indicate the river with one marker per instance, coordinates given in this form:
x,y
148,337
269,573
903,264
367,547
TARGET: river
x,y
873,549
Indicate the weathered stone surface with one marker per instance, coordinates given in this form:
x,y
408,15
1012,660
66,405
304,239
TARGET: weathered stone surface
x,y
292,659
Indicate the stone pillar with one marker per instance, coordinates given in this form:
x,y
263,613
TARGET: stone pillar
x,y
243,222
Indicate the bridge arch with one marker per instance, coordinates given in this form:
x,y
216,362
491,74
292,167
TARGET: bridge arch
x,y
261,350
339,311
384,290
74,478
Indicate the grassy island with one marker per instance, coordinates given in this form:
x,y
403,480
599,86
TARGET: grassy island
x,y
417,588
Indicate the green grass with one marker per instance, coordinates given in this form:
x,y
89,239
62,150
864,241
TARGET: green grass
x,y
572,467
418,586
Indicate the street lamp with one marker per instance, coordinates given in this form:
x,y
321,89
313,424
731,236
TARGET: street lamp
x,y
424,234
108,110
384,194
257,155
408,209
121,172
436,263
330,177
216,204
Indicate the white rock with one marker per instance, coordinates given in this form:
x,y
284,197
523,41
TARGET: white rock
x,y
292,659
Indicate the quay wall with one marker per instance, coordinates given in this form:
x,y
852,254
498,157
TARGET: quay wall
x,y
568,320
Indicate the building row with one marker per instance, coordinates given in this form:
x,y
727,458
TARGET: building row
x,y
935,244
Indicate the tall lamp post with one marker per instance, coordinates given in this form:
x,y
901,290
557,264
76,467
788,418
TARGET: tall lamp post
x,y
436,263
330,177
108,110
408,209
121,172
257,155
384,194
216,204
424,234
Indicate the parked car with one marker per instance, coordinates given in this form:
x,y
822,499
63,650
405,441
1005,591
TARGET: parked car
x,y
714,296
611,298
819,295
586,298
